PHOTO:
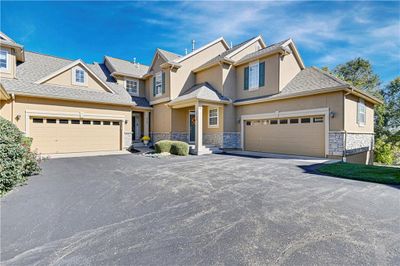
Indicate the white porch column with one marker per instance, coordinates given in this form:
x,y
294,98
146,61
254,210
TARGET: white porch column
x,y
146,123
199,127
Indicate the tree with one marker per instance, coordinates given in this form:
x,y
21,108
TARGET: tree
x,y
391,94
359,73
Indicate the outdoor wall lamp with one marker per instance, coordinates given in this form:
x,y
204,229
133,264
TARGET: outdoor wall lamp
x,y
332,114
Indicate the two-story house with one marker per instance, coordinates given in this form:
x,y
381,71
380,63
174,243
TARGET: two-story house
x,y
251,96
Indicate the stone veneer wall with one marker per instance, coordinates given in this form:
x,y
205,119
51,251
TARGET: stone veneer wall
x,y
156,136
231,140
215,139
127,139
342,144
181,136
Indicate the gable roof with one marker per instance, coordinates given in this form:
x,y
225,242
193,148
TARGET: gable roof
x,y
165,55
126,68
203,92
37,66
308,81
226,56
69,66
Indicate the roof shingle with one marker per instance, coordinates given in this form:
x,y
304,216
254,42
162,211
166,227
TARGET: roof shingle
x,y
126,67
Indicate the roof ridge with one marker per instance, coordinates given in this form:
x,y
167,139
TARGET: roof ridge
x,y
54,56
124,60
162,50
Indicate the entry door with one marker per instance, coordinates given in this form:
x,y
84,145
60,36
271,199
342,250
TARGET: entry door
x,y
192,126
136,127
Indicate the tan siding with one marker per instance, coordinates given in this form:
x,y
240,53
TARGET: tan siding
x,y
271,79
229,85
11,72
161,118
250,49
5,109
334,101
288,69
211,75
65,79
180,119
184,78
351,124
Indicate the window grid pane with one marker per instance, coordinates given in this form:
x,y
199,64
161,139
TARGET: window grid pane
x,y
3,59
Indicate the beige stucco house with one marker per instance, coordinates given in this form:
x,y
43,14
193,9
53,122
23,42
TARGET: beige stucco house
x,y
251,96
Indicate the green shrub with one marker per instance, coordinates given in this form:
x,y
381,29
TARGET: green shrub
x,y
17,162
173,147
384,152
163,146
180,148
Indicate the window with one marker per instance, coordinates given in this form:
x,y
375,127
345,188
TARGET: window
x,y
107,123
158,84
96,122
213,117
253,76
305,120
283,121
86,122
273,122
79,76
75,122
318,119
361,113
248,123
294,121
116,123
132,87
3,59
63,121
51,121
37,120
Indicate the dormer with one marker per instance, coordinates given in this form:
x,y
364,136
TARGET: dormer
x,y
10,53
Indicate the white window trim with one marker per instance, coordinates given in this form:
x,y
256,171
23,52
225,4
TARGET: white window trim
x,y
137,86
360,103
209,110
85,77
158,74
8,68
255,63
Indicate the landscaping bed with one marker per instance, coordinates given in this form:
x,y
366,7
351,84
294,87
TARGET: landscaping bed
x,y
369,173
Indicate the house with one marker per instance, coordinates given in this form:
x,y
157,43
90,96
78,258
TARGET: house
x,y
250,96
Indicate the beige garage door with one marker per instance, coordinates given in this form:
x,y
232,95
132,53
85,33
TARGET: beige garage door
x,y
51,135
297,135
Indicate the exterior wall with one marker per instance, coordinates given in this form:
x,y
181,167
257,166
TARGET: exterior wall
x,y
213,130
6,109
271,79
11,71
142,88
65,79
229,90
366,157
161,116
250,49
288,69
149,82
351,124
184,77
334,101
211,75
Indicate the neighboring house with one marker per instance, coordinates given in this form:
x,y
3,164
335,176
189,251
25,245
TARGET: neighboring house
x,y
250,96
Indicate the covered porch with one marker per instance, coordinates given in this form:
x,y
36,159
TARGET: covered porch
x,y
198,118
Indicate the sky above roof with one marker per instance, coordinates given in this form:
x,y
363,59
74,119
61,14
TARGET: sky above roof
x,y
326,33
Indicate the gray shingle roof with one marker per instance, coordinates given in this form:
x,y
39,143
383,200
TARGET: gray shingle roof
x,y
308,80
37,66
201,91
265,50
126,67
169,55
141,101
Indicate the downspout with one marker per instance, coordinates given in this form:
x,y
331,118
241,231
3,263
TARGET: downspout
x,y
12,107
344,126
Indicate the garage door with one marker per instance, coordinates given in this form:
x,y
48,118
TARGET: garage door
x,y
58,135
296,135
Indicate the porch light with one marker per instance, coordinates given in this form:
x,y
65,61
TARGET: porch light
x,y
332,114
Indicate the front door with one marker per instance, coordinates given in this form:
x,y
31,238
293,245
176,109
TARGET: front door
x,y
192,126
136,127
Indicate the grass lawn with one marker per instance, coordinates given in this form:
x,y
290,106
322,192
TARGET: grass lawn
x,y
370,173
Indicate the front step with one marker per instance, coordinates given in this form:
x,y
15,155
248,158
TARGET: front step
x,y
208,149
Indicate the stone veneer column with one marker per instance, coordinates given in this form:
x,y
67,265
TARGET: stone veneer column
x,y
146,123
199,127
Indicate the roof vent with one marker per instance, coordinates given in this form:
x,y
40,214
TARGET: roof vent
x,y
185,51
231,45
193,43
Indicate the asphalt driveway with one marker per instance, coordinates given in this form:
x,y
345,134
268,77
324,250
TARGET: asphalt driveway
x,y
217,209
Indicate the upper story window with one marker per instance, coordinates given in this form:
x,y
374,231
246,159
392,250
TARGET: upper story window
x,y
254,76
79,76
213,117
3,60
132,86
159,84
361,113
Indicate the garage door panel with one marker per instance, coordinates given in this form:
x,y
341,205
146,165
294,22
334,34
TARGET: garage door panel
x,y
65,138
300,139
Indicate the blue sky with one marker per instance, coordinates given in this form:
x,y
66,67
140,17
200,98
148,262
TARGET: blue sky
x,y
326,33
